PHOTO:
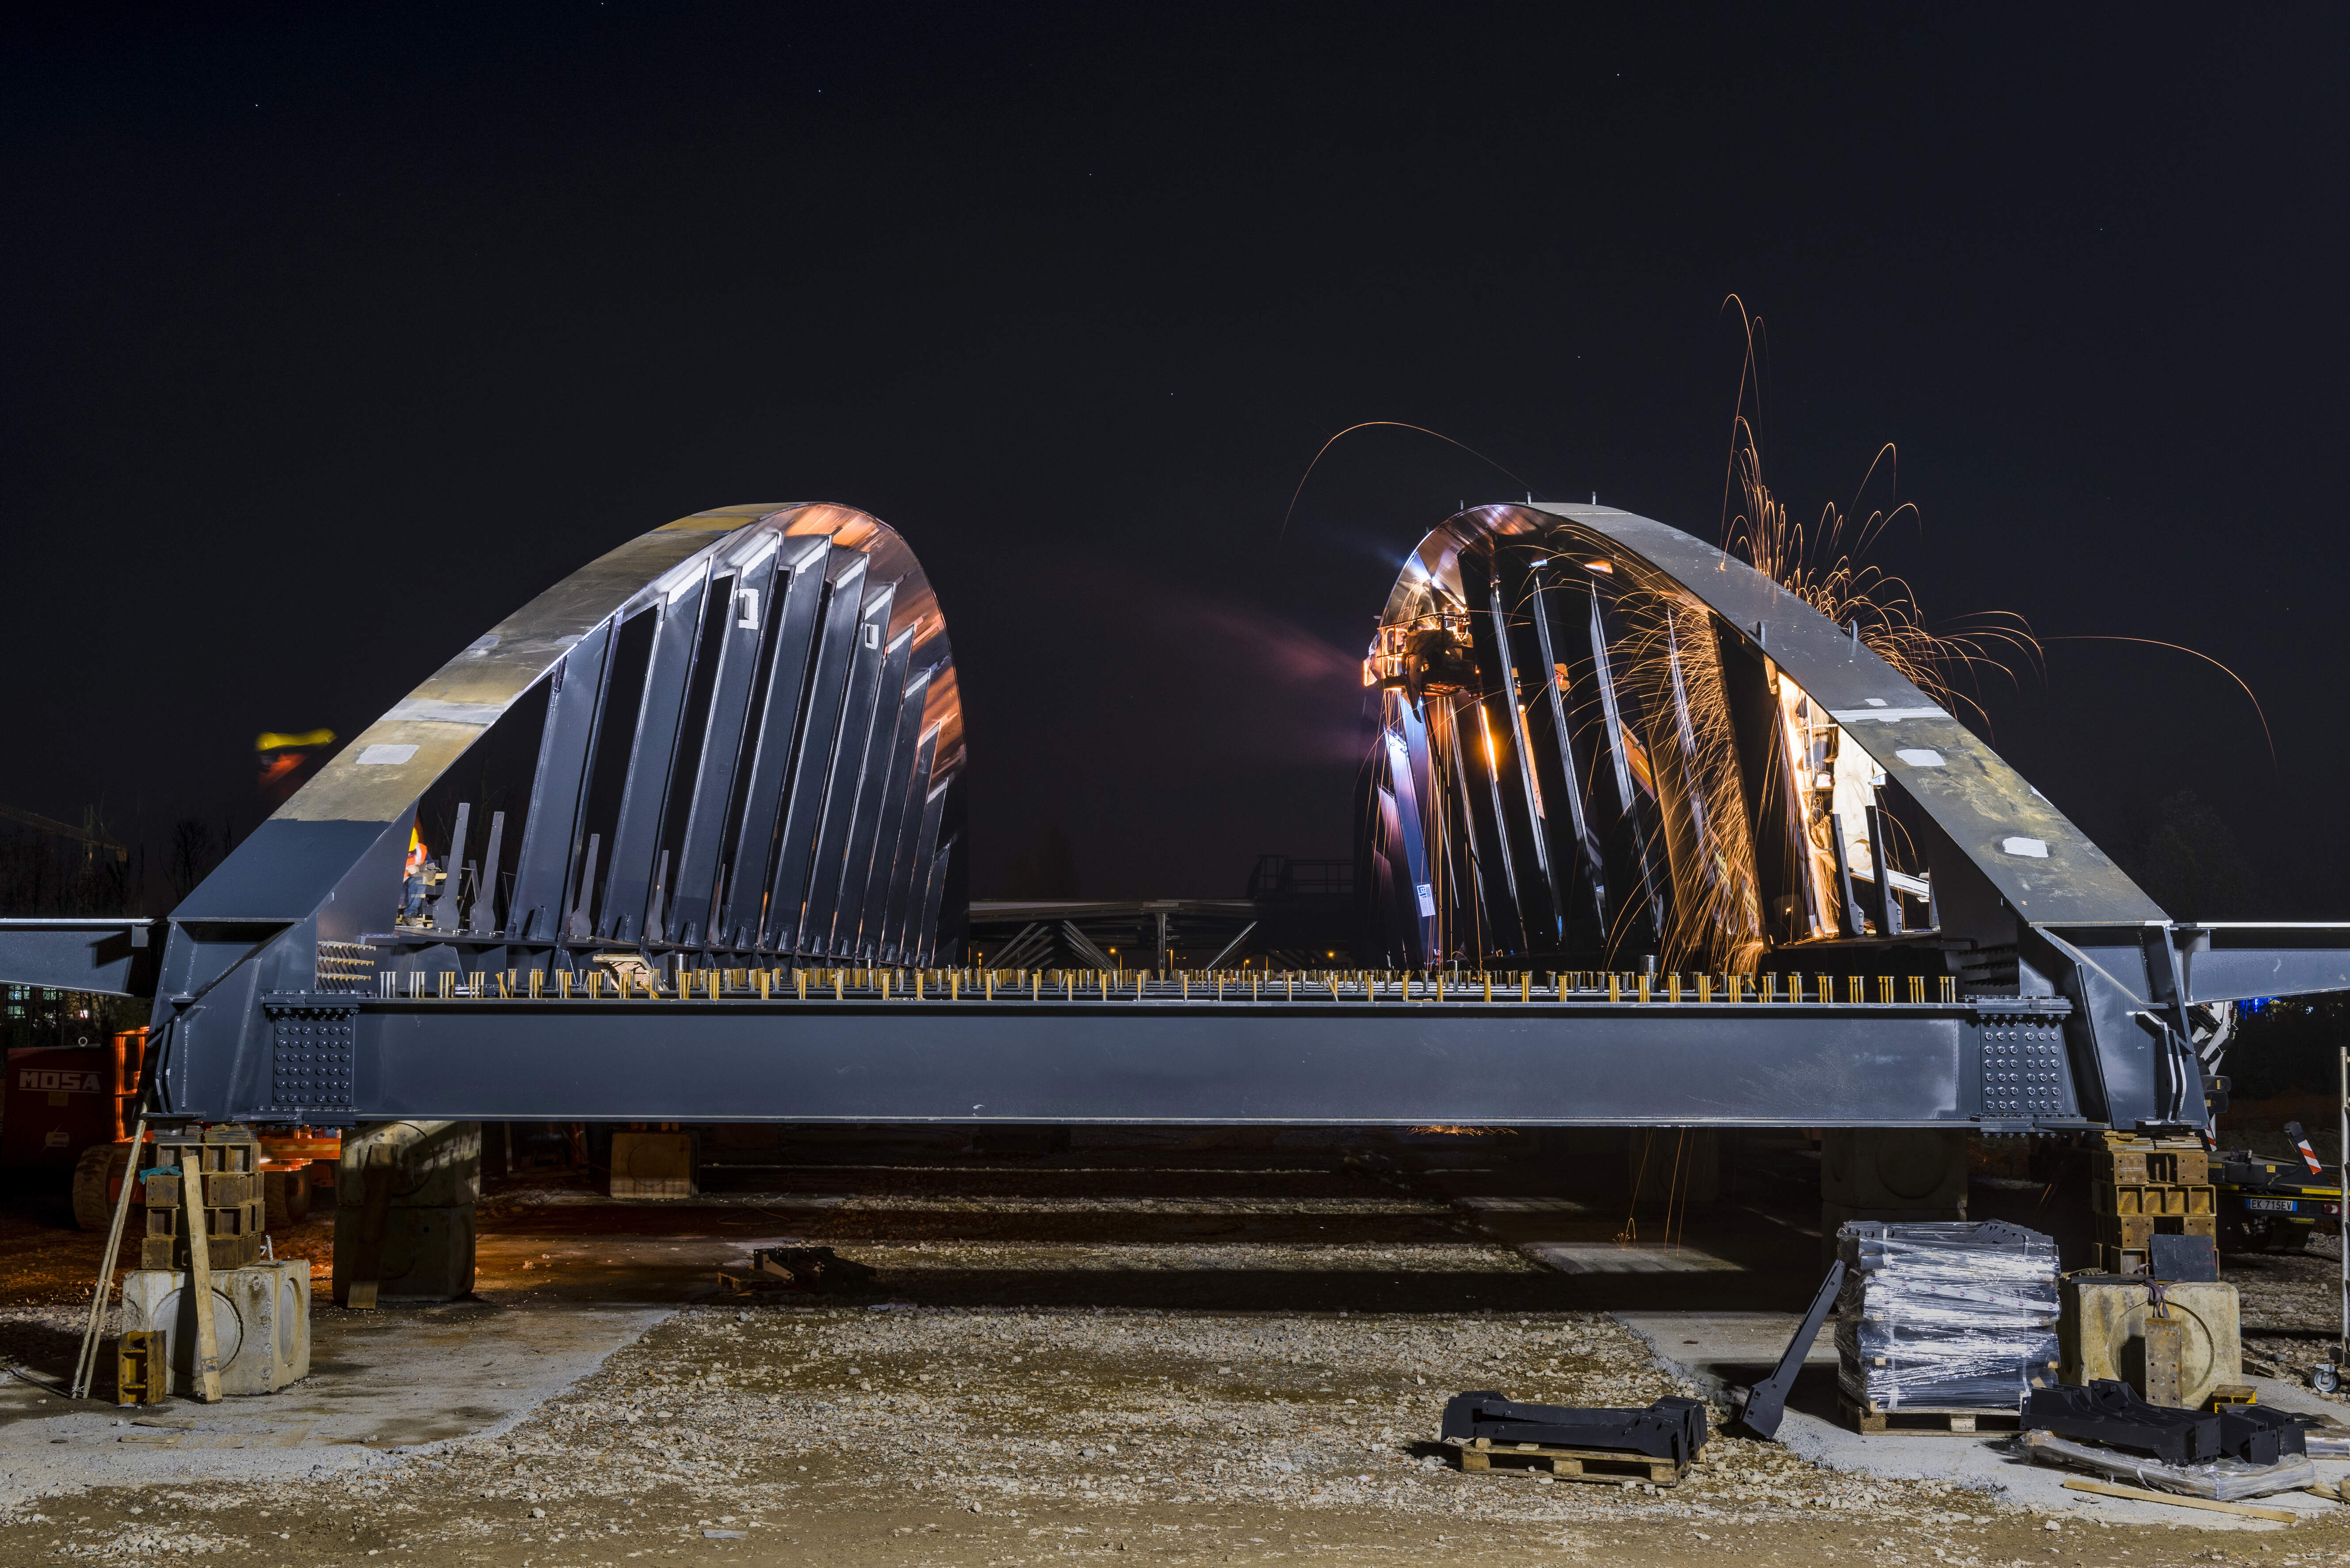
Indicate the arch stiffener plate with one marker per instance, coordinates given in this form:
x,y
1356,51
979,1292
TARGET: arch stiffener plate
x,y
1604,741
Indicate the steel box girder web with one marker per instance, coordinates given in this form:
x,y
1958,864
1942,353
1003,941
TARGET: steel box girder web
x,y
1161,1061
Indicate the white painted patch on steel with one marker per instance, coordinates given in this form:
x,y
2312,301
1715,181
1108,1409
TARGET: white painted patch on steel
x,y
2035,848
1883,716
385,757
1920,757
480,714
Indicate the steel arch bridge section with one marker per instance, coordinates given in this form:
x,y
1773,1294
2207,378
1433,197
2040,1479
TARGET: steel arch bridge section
x,y
1608,746
749,750
1602,738
1646,746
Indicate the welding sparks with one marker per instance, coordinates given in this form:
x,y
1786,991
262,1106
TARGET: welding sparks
x,y
1668,665
1813,563
1671,672
1580,756
2182,647
1373,424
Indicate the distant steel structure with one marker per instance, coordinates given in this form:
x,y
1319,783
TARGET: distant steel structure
x,y
737,894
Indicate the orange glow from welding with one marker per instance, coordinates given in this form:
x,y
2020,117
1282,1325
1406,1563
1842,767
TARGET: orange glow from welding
x,y
1533,780
284,756
276,741
1637,756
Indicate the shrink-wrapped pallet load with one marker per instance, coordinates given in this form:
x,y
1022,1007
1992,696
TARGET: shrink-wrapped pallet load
x,y
1943,1318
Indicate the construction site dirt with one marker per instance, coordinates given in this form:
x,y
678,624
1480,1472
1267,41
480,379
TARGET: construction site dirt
x,y
1201,1350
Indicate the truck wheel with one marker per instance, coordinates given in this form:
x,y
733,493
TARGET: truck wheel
x,y
93,1180
286,1195
2288,1238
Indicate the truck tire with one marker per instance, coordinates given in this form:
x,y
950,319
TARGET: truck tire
x,y
285,1196
93,1181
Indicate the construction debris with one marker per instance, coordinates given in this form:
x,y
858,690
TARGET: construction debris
x,y
818,1268
1673,1428
2222,1479
2260,1436
2110,1412
1766,1402
2140,1494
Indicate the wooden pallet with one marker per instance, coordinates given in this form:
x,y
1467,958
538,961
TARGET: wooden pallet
x,y
753,1283
1925,1422
1610,1465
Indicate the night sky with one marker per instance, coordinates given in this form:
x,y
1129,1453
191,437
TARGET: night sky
x,y
335,334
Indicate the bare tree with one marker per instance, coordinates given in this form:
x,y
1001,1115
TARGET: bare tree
x,y
194,850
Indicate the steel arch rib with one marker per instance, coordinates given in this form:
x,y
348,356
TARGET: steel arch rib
x,y
1436,648
1974,796
327,859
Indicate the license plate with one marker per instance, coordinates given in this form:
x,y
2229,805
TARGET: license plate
x,y
2275,1205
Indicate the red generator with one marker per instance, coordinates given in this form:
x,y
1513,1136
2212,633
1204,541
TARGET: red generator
x,y
58,1102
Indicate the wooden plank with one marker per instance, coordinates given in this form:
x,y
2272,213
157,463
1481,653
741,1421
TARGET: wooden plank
x,y
2165,1351
1927,1421
1604,1466
2142,1494
206,1369
86,1369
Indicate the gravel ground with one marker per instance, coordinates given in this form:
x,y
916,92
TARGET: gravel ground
x,y
2292,1307
1025,1437
982,1405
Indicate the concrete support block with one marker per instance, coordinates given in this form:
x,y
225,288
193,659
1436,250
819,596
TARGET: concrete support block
x,y
1901,1175
1894,1167
261,1324
427,1253
653,1165
434,1165
2101,1332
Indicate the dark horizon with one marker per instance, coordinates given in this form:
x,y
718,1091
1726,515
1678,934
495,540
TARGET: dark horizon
x,y
338,337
